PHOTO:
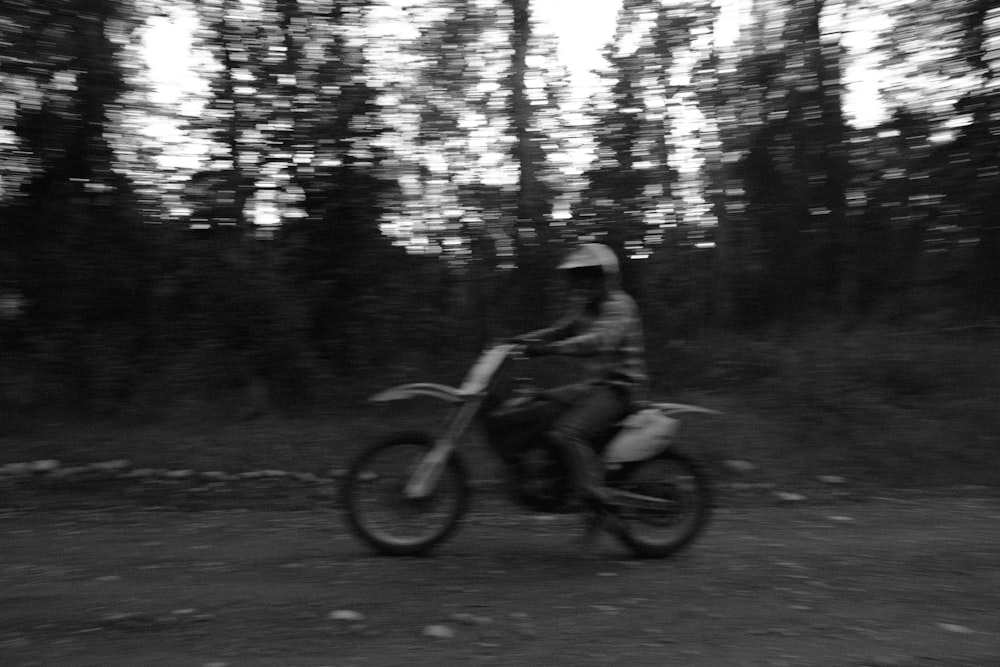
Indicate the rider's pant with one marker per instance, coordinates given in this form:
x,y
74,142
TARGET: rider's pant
x,y
576,430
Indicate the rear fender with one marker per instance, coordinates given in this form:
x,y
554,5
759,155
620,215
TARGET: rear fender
x,y
648,432
636,442
430,389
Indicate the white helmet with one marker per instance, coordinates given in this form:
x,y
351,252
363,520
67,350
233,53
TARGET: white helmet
x,y
592,255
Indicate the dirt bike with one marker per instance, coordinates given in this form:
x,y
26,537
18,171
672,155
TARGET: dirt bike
x,y
407,493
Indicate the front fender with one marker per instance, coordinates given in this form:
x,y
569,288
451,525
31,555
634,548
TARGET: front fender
x,y
405,391
671,409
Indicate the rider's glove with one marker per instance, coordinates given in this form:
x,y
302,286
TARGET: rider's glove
x,y
537,348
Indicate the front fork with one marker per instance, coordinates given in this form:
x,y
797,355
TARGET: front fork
x,y
430,469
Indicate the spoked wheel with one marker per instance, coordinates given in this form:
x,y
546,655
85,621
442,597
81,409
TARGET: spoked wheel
x,y
378,509
664,504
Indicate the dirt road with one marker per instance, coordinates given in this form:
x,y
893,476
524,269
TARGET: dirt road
x,y
887,581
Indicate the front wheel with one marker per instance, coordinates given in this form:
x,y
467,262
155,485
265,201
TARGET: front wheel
x,y
666,502
380,512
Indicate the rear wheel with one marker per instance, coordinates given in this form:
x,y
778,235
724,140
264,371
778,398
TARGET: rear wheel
x,y
380,512
666,502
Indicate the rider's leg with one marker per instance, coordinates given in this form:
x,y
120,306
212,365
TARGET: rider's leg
x,y
574,433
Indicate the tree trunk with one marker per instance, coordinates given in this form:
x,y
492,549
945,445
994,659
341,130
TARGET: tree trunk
x,y
530,247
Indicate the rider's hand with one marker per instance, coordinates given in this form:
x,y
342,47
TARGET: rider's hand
x,y
537,348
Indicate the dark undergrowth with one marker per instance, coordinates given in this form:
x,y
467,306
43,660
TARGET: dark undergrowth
x,y
885,407
900,408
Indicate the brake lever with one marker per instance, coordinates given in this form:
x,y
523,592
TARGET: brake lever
x,y
517,351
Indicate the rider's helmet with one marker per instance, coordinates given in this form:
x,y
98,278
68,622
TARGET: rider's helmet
x,y
591,270
592,256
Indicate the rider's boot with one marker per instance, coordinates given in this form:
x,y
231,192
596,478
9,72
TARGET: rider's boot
x,y
595,498
588,477
589,492
598,518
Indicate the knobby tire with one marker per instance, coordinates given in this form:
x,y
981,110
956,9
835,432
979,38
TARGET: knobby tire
x,y
360,491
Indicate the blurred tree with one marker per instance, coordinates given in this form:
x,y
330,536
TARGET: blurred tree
x,y
632,198
796,168
451,107
70,220
327,162
639,200
892,208
732,100
218,196
533,198
733,84
972,180
945,54
470,144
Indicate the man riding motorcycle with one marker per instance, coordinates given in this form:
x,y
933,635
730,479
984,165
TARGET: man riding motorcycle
x,y
603,324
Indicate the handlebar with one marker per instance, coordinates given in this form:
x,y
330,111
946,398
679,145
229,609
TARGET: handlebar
x,y
518,350
519,347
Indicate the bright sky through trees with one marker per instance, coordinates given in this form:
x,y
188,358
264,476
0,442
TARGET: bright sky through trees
x,y
582,29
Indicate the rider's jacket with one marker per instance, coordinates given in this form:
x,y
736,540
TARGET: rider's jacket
x,y
610,333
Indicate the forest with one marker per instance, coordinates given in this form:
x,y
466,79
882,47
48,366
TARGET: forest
x,y
358,189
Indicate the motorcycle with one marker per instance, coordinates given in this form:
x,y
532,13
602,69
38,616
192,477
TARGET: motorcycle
x,y
408,493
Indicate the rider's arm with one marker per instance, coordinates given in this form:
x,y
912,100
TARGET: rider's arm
x,y
605,334
561,329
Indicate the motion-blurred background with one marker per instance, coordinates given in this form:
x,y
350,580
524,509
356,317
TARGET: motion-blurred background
x,y
276,202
